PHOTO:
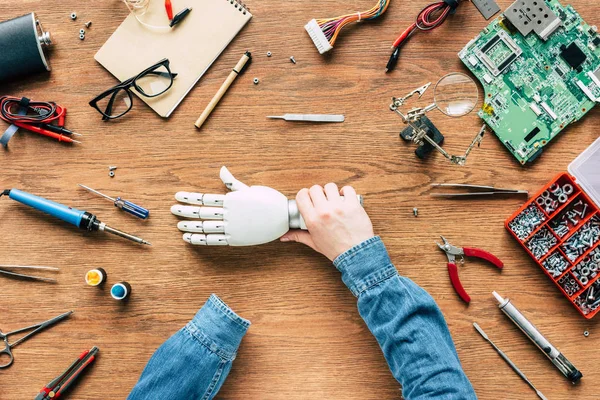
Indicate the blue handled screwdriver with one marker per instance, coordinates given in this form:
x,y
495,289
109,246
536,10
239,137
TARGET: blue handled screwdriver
x,y
123,204
81,219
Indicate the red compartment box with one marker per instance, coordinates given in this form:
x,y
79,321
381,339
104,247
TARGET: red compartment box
x,y
560,230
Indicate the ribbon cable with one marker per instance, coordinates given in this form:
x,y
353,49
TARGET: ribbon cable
x,y
12,129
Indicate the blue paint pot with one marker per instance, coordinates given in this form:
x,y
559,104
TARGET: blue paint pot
x,y
120,291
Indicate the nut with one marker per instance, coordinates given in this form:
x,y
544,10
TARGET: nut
x,y
73,16
111,174
416,212
586,333
81,36
82,31
269,54
256,80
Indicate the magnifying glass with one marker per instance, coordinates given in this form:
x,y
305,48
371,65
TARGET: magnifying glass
x,y
455,94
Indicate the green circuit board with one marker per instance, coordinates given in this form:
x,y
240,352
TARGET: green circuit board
x,y
539,64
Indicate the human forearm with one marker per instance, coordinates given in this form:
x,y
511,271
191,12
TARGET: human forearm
x,y
194,362
407,324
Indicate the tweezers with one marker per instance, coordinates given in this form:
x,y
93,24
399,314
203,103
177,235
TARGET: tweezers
x,y
475,190
36,278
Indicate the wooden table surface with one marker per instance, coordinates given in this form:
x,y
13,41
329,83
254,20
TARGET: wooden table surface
x,y
307,340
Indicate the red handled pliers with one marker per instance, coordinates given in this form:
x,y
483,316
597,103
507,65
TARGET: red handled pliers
x,y
453,251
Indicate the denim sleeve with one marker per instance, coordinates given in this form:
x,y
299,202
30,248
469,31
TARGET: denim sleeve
x,y
407,324
194,362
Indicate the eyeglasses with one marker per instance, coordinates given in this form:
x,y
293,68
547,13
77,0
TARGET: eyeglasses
x,y
152,82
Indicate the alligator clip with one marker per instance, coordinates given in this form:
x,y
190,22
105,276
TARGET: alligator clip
x,y
452,252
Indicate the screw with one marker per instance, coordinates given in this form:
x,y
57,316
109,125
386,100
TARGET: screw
x,y
256,80
293,60
416,212
73,16
269,54
88,24
112,167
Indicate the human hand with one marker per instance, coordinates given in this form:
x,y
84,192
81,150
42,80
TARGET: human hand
x,y
335,223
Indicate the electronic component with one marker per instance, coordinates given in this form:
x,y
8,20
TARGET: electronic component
x,y
533,15
541,82
499,53
487,8
573,55
324,31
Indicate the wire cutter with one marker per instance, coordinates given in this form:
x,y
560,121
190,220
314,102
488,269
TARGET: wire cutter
x,y
452,252
61,383
36,328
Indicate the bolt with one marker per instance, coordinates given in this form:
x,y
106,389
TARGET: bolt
x,y
293,60
416,212
88,24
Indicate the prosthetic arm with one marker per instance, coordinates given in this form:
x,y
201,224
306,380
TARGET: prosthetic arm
x,y
245,216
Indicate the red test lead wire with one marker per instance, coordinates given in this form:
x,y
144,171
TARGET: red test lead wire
x,y
169,8
428,19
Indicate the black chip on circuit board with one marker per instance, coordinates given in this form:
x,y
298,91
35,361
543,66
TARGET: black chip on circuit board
x,y
573,55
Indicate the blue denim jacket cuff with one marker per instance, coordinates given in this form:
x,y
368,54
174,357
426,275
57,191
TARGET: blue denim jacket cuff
x,y
365,265
218,327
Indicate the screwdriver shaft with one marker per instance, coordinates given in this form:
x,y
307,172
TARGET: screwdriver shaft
x,y
97,192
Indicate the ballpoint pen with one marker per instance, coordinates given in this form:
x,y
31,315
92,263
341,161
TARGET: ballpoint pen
x,y
238,69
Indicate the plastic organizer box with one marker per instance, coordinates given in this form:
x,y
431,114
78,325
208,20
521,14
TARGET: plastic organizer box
x,y
560,230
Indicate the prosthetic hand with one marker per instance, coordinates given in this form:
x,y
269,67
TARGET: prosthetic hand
x,y
245,216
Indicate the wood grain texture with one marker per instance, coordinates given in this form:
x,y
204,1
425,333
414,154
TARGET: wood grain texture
x,y
307,340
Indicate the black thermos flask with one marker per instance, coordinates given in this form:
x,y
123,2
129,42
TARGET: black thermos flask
x,y
22,44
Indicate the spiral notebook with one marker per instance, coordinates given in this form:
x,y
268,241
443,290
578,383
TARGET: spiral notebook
x,y
191,46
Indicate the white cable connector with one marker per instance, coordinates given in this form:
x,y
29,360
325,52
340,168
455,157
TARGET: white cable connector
x,y
317,36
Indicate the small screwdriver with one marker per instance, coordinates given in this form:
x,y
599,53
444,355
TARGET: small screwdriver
x,y
81,219
122,204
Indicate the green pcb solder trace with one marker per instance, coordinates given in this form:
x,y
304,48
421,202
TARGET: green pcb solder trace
x,y
539,65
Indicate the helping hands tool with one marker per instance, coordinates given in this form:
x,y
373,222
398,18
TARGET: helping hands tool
x,y
122,204
452,252
557,358
480,190
81,219
309,117
508,360
36,278
36,328
60,384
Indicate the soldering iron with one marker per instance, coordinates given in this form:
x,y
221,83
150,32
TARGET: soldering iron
x,y
81,219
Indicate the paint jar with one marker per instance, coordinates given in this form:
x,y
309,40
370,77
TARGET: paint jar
x,y
120,291
95,277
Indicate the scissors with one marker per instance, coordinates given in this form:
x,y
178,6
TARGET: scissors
x,y
36,328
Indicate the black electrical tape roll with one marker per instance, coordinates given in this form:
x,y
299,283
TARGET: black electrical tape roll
x,y
21,53
453,5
